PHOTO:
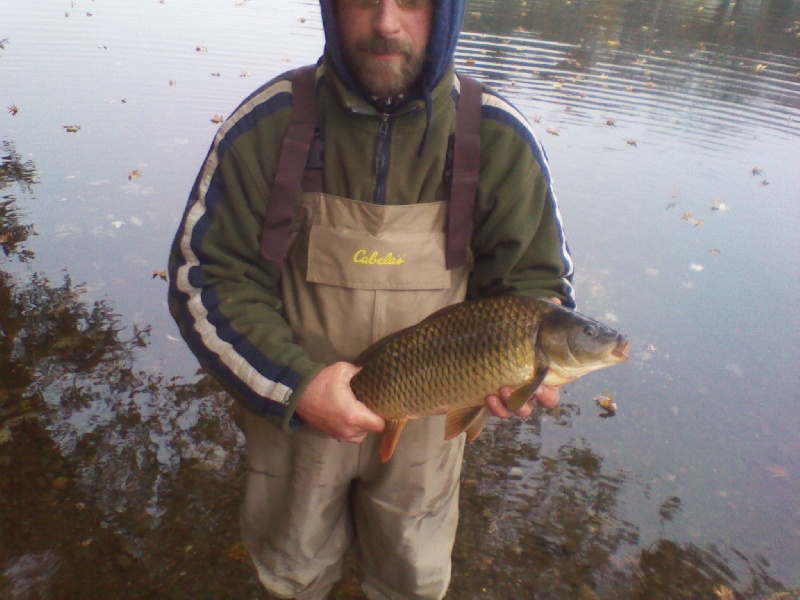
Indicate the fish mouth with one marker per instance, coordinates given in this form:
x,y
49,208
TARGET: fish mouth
x,y
622,347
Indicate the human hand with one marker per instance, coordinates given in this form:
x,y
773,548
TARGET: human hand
x,y
329,405
544,395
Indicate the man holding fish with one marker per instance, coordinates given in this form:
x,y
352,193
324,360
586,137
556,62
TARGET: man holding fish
x,y
340,204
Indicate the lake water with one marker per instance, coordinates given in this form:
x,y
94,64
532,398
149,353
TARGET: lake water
x,y
673,132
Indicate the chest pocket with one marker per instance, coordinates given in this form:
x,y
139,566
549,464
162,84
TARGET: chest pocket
x,y
387,261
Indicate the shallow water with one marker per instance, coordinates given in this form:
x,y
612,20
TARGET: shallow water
x,y
673,132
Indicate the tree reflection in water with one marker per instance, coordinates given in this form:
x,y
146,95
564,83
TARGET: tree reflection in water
x,y
116,482
542,527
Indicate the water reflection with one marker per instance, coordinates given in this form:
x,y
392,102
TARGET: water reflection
x,y
550,527
115,482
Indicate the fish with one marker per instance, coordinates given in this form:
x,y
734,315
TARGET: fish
x,y
450,361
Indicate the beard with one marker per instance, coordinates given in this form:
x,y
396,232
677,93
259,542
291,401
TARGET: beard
x,y
384,78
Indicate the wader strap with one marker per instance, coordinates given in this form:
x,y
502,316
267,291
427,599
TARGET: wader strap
x,y
466,165
294,153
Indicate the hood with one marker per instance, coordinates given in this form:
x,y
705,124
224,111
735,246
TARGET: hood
x,y
448,19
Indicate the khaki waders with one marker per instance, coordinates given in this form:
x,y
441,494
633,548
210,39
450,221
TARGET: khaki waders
x,y
355,272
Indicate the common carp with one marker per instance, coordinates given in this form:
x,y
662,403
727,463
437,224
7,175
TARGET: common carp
x,y
449,362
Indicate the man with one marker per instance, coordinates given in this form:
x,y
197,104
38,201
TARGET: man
x,y
277,307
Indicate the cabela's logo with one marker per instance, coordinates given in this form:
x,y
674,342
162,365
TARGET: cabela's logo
x,y
362,257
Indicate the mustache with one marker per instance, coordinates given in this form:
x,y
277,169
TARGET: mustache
x,y
384,46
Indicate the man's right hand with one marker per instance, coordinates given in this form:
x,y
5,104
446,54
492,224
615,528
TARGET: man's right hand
x,y
328,404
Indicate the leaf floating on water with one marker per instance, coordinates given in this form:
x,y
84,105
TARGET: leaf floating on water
x,y
715,252
778,471
13,109
606,402
759,68
72,128
238,553
631,142
135,174
613,43
245,74
172,82
553,130
719,204
162,274
723,592
611,122
217,119
757,170
470,62
200,48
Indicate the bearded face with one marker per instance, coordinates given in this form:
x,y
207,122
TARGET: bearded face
x,y
384,43
384,67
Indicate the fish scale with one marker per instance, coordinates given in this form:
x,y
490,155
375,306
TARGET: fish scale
x,y
493,344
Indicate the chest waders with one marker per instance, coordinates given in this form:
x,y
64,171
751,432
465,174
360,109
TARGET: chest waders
x,y
353,272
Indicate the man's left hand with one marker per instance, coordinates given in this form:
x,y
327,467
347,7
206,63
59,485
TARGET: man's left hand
x,y
544,395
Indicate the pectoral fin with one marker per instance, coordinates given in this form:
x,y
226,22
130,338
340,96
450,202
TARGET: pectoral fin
x,y
391,435
525,393
462,419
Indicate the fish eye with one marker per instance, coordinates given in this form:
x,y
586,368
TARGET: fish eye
x,y
589,331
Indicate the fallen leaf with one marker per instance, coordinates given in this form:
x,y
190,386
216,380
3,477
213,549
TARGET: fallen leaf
x,y
553,130
719,204
72,128
759,68
611,122
217,119
13,109
631,142
238,553
715,252
135,174
613,43
778,471
757,170
606,402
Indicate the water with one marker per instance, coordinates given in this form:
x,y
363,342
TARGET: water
x,y
119,469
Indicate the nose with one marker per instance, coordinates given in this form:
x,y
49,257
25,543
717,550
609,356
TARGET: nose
x,y
386,19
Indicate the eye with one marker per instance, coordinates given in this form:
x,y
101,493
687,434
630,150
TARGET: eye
x,y
589,331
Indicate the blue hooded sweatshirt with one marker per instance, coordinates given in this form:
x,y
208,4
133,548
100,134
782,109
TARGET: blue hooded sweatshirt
x,y
448,20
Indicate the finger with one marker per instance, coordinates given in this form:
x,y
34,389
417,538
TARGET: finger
x,y
547,396
497,407
525,410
